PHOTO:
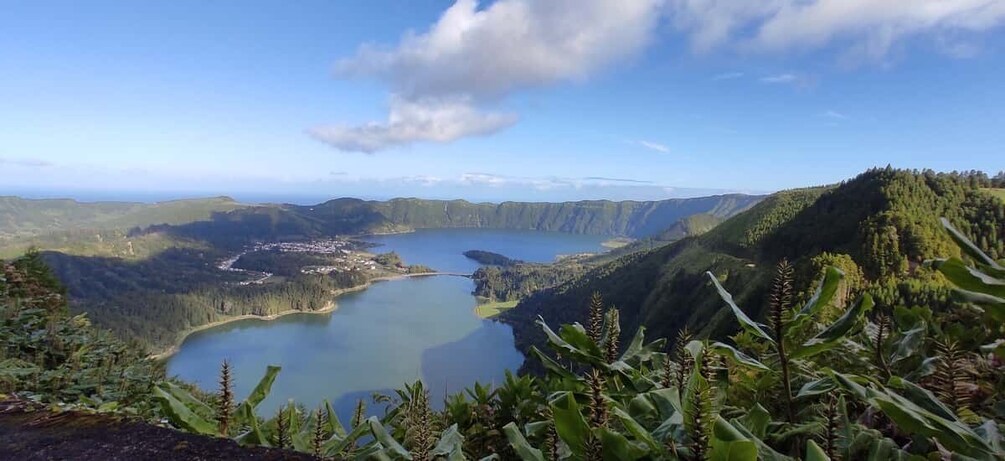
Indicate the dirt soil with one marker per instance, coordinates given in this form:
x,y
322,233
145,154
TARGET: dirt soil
x,y
30,433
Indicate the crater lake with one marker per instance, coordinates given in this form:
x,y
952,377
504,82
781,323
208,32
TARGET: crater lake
x,y
377,339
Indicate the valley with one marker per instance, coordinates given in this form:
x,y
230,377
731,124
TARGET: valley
x,y
352,316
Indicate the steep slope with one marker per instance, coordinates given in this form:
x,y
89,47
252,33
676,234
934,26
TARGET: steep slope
x,y
96,228
881,225
601,217
21,217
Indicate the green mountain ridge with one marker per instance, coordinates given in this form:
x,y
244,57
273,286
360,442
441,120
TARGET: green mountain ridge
x,y
152,283
882,225
356,216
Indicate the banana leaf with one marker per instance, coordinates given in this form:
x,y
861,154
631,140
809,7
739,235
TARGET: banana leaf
x,y
738,357
337,444
391,446
815,453
745,321
616,447
450,445
970,249
730,444
570,424
638,432
246,409
520,444
823,296
969,278
181,415
832,335
993,305
573,342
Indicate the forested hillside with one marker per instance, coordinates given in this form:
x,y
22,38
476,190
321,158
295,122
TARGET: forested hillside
x,y
96,228
354,216
878,227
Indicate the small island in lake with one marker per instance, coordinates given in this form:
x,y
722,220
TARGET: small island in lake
x,y
489,258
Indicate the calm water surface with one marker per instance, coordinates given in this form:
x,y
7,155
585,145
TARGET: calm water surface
x,y
393,332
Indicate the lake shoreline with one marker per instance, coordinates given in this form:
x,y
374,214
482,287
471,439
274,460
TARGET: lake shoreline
x,y
330,307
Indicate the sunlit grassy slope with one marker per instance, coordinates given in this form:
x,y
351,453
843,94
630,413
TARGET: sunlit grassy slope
x,y
1000,193
98,228
489,310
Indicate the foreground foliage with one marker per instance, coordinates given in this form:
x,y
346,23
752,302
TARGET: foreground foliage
x,y
52,356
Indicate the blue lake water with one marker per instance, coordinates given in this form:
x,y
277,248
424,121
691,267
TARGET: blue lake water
x,y
393,332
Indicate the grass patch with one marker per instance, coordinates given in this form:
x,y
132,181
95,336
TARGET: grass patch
x,y
489,310
617,242
1000,193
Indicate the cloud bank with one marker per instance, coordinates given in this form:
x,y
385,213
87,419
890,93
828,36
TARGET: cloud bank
x,y
442,79
447,82
871,27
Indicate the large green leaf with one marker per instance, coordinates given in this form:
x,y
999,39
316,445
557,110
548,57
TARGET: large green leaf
x,y
573,342
730,444
570,424
259,393
450,445
638,351
969,248
181,415
815,453
616,447
552,366
189,400
756,420
922,397
743,450
254,435
335,426
337,444
832,335
970,279
823,296
764,451
911,417
909,342
738,357
745,321
816,387
993,305
520,444
638,431
391,446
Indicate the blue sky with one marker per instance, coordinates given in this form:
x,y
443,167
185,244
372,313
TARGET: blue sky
x,y
512,99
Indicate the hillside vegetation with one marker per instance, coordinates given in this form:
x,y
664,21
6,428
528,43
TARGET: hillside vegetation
x,y
98,228
878,227
348,216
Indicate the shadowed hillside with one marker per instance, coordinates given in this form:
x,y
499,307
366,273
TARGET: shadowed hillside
x,y
878,227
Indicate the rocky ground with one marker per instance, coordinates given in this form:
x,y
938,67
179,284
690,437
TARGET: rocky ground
x,y
31,433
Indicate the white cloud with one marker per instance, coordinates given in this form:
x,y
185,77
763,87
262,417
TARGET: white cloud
x,y
546,183
780,78
481,55
654,146
727,76
834,115
870,27
26,162
434,120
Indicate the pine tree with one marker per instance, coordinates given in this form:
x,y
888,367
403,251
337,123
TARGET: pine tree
x,y
225,407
